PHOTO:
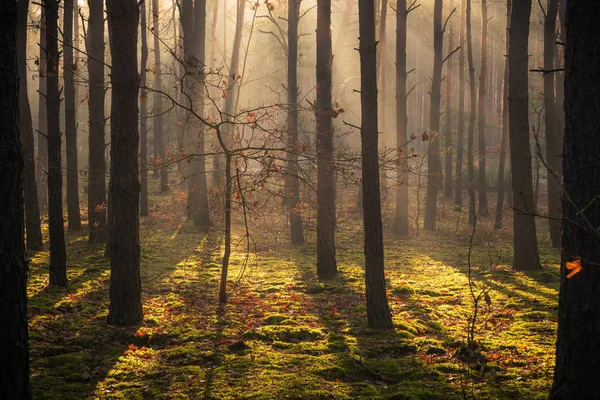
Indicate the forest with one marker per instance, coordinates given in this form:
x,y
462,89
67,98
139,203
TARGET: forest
x,y
300,199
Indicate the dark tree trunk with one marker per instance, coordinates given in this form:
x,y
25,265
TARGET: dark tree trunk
x,y
143,113
504,141
553,135
401,217
42,158
460,148
481,139
378,310
97,163
32,206
326,263
125,284
199,196
73,214
473,103
293,192
526,256
382,77
14,348
227,249
448,113
434,161
577,370
56,228
159,140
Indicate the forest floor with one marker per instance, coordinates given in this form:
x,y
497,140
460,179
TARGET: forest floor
x,y
286,335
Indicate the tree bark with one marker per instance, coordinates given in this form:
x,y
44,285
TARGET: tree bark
x,y
32,206
577,370
97,163
73,214
143,113
293,184
401,216
504,141
460,131
526,255
58,255
447,110
326,263
14,348
434,162
473,104
481,136
378,310
159,139
125,284
553,135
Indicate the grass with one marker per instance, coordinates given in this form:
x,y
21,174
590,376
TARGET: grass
x,y
284,333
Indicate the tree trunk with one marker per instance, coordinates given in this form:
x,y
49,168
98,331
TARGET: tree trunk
x,y
227,250
526,256
378,310
473,103
401,216
159,139
73,214
293,192
460,149
14,348
58,254
97,163
504,141
448,105
434,162
143,113
125,284
577,370
32,206
481,137
326,263
42,158
553,141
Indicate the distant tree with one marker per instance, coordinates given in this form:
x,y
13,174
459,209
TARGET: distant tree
x,y
447,111
143,125
42,157
473,110
481,138
73,214
14,348
125,283
434,162
401,216
504,140
526,255
293,184
32,206
577,370
326,263
97,163
553,133
58,254
159,139
378,310
460,130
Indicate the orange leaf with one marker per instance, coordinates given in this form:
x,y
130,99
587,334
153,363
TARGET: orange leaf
x,y
133,347
573,266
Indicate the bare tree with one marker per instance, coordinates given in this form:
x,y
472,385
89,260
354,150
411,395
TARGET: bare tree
x,y
125,282
58,254
14,348
42,158
526,256
159,139
32,206
326,262
473,103
481,139
143,125
378,310
447,111
460,131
